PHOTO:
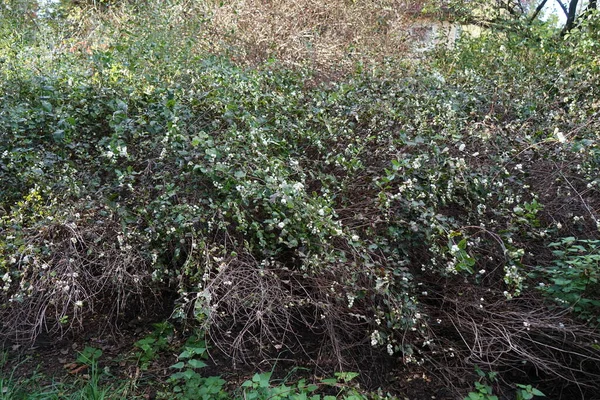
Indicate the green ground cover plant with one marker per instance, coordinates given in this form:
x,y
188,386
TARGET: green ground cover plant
x,y
574,277
427,213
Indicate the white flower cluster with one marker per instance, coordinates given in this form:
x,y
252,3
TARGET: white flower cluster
x,y
513,278
351,299
7,281
375,338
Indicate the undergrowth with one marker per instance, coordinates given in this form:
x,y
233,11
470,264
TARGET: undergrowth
x,y
401,212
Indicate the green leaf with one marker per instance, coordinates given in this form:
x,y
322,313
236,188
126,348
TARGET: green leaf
x,y
179,365
191,351
184,355
346,376
189,373
196,363
46,106
537,392
256,378
265,379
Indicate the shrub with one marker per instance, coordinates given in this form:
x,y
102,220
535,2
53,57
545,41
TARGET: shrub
x,y
573,277
140,171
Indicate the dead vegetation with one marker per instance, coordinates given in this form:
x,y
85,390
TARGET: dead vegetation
x,y
522,338
334,33
333,36
84,271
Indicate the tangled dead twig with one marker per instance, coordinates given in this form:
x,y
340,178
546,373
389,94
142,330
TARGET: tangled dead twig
x,y
333,33
520,336
258,310
85,271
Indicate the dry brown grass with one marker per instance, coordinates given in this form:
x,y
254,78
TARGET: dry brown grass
x,y
334,34
328,36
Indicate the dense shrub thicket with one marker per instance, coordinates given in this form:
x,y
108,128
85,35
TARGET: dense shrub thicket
x,y
421,210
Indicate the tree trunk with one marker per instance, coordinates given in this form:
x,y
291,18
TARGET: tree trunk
x,y
570,16
537,10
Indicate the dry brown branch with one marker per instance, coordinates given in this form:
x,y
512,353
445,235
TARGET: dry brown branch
x,y
520,335
260,310
88,270
331,36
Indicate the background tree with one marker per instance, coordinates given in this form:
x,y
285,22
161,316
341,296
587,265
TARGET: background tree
x,y
504,12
